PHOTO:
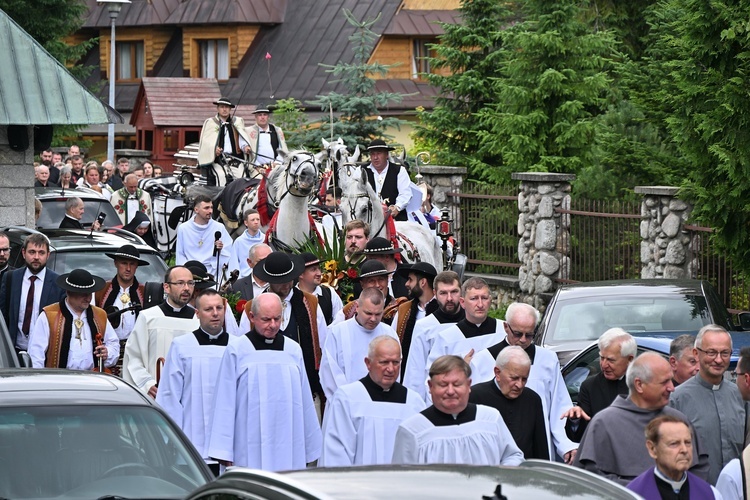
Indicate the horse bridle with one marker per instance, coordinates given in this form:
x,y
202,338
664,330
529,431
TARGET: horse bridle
x,y
295,184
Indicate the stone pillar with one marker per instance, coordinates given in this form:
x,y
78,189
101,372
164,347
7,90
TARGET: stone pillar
x,y
665,244
16,182
445,180
544,243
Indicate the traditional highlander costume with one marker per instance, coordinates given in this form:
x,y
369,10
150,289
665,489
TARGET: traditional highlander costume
x,y
127,205
229,135
267,142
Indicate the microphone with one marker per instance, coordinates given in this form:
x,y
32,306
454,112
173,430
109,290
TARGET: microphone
x,y
217,237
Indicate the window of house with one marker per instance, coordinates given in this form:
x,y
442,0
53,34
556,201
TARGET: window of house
x,y
129,60
171,140
420,63
214,59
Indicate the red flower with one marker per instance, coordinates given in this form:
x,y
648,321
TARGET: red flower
x,y
351,272
240,306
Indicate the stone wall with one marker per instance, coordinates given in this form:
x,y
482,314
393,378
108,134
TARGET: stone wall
x,y
445,180
666,250
16,183
544,243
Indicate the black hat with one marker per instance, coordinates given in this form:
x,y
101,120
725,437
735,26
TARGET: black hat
x,y
202,279
279,267
195,264
262,108
310,259
80,281
128,252
380,246
370,268
379,144
225,101
423,268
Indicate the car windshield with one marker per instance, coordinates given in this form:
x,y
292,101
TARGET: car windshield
x,y
93,451
98,264
588,318
53,211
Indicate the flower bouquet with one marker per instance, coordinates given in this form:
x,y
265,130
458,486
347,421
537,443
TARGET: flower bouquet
x,y
337,272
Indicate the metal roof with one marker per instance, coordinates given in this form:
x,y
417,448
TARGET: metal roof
x,y
36,89
421,22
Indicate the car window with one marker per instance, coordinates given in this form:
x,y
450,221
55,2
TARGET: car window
x,y
98,264
53,211
93,451
587,319
8,357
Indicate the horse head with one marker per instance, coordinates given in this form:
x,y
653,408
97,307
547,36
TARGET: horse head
x,y
302,171
358,200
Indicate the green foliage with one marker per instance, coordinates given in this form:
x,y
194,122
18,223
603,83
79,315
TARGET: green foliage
x,y
290,116
356,118
337,272
498,313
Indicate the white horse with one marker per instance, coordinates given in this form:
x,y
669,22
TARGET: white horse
x,y
291,225
359,201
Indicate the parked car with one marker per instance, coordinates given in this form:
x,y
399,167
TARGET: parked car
x,y
53,207
580,313
70,435
75,248
537,479
8,357
586,363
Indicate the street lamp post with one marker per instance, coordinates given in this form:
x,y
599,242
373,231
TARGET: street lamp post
x,y
113,7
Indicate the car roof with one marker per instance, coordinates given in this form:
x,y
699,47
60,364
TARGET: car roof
x,y
41,387
536,479
57,193
67,239
631,287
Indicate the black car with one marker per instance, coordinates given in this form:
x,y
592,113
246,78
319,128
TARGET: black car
x,y
74,248
71,435
533,479
53,207
578,314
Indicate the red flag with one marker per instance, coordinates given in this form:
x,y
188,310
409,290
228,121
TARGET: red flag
x,y
268,55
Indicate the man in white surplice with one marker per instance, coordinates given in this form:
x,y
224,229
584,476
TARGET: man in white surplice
x,y
155,329
452,430
263,415
188,382
360,422
545,377
347,342
197,239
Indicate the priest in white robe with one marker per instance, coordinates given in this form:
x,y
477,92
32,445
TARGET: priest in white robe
x,y
197,239
263,415
360,422
452,430
347,343
155,329
188,382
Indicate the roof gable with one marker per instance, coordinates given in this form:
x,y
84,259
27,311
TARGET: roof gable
x,y
36,89
421,22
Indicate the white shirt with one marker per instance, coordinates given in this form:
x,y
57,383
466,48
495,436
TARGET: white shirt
x,y
22,341
404,191
127,319
266,154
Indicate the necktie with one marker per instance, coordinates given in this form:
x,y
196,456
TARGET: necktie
x,y
29,307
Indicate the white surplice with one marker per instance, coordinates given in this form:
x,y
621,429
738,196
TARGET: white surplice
x,y
422,340
343,358
360,431
545,378
196,242
187,387
264,416
150,340
484,441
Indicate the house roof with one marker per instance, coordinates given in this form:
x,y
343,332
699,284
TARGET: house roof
x,y
183,102
35,89
188,12
420,93
421,22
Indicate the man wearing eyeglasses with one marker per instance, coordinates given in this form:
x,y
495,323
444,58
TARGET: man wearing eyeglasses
x,y
713,405
4,256
155,329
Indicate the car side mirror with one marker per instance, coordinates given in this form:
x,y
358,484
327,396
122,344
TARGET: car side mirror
x,y
744,320
24,359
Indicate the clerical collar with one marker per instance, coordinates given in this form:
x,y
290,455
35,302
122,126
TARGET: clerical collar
x,y
708,385
171,311
675,485
440,419
395,394
356,320
470,330
443,317
205,338
262,343
495,349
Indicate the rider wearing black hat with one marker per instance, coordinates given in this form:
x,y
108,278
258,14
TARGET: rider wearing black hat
x,y
65,334
267,138
389,180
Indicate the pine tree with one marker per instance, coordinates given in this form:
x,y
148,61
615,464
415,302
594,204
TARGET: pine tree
x,y
356,113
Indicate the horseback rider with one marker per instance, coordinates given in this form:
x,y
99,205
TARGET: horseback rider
x,y
267,137
223,135
389,180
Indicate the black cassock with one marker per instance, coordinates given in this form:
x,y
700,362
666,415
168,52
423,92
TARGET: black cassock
x,y
596,394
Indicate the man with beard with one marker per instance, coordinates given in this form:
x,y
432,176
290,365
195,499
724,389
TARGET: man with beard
x,y
196,238
309,281
419,283
65,334
356,234
25,291
447,288
545,377
347,342
155,329
123,292
4,256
